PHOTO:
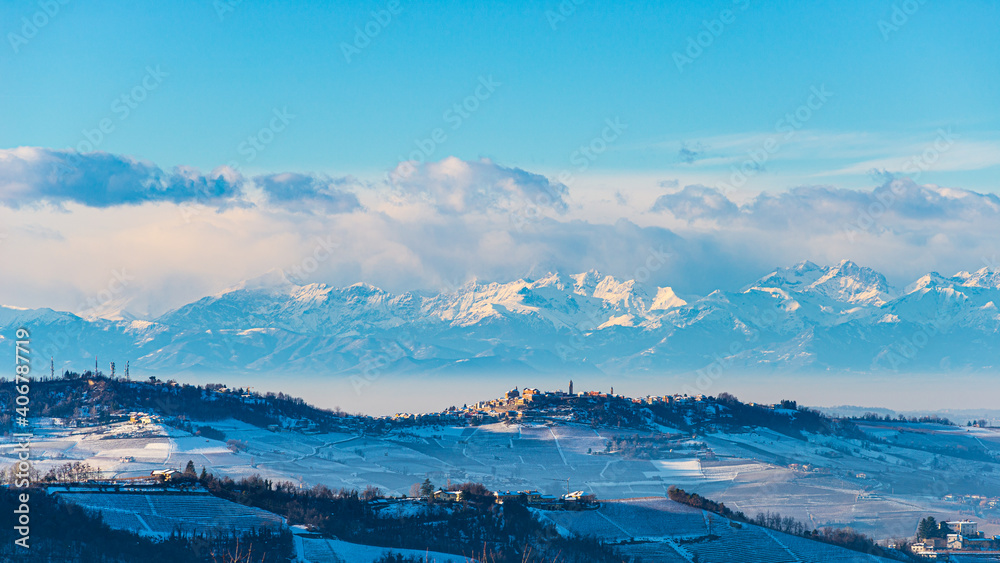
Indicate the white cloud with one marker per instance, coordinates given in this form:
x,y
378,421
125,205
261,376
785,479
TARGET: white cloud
x,y
458,186
696,202
447,222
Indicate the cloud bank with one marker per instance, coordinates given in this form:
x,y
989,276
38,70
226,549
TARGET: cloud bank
x,y
897,205
31,176
443,223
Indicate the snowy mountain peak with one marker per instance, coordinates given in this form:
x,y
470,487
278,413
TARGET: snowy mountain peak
x,y
805,311
855,284
930,281
845,282
666,299
113,310
275,281
16,316
362,288
612,287
562,282
625,296
984,277
314,292
805,266
795,278
586,282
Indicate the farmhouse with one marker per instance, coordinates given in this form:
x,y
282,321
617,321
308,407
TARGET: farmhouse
x,y
165,474
965,540
966,528
449,496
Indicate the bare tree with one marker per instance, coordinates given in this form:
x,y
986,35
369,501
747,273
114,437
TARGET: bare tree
x,y
237,555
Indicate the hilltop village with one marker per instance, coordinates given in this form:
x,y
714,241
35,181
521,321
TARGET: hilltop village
x,y
94,399
533,405
672,416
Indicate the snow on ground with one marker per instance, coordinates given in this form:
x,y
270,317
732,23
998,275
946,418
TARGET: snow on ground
x,y
318,550
627,519
413,507
881,489
659,529
157,513
677,469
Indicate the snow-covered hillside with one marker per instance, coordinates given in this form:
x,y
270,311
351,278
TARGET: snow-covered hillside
x,y
804,317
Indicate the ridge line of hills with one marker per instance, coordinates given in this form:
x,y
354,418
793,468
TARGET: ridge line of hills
x,y
799,318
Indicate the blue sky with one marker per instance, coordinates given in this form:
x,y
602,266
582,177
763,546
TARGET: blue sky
x,y
221,139
561,69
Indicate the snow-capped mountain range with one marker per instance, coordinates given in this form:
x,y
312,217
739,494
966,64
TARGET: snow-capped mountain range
x,y
805,317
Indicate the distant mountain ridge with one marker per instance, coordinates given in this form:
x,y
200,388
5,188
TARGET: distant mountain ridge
x,y
801,318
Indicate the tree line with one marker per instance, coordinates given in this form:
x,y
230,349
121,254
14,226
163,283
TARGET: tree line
x,y
476,527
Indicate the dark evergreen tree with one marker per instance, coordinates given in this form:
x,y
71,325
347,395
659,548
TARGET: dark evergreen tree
x,y
426,488
928,528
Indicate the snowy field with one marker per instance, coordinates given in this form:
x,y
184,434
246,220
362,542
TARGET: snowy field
x,y
318,550
628,519
160,513
658,529
879,489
